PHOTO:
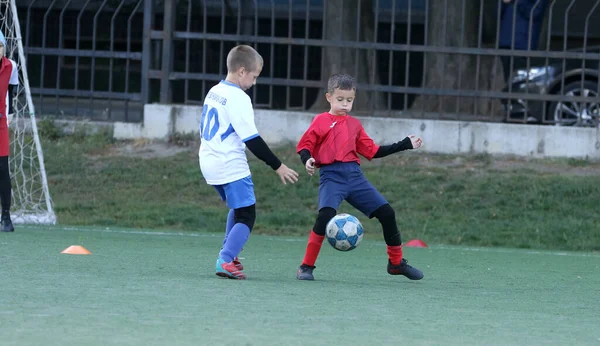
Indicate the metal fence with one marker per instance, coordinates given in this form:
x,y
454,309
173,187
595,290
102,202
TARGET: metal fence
x,y
489,60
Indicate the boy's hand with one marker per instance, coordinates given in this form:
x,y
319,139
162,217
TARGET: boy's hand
x,y
286,174
416,141
310,166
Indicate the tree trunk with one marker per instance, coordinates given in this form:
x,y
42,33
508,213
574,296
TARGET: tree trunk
x,y
341,23
452,25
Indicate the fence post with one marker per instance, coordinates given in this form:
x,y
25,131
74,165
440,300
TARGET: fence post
x,y
146,47
167,50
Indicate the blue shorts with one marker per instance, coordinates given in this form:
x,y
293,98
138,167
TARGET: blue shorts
x,y
345,181
237,194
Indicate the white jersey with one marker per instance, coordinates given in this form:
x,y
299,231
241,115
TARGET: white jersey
x,y
227,122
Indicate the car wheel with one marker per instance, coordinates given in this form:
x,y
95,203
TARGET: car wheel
x,y
576,113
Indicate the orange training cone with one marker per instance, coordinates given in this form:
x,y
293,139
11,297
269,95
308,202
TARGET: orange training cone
x,y
76,250
415,243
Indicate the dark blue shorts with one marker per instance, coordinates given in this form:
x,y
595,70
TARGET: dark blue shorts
x,y
346,181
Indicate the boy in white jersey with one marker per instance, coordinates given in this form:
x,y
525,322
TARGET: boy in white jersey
x,y
226,128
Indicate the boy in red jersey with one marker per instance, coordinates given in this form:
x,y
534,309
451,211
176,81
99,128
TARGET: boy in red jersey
x,y
332,143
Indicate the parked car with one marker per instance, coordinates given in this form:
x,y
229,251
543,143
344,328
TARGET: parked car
x,y
545,76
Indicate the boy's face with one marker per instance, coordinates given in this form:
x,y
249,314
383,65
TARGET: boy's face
x,y
1,50
248,78
341,101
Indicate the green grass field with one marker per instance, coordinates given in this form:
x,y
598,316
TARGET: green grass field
x,y
143,287
470,200
154,283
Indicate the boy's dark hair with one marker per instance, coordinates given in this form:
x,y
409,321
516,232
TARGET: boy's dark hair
x,y
341,81
243,56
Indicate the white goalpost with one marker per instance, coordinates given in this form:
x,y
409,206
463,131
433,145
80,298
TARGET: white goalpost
x,y
31,202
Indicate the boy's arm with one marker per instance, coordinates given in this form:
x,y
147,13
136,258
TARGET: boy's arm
x,y
261,150
386,150
10,98
242,121
304,156
365,145
13,83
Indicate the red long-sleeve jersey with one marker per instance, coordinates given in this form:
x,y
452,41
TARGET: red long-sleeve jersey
x,y
333,138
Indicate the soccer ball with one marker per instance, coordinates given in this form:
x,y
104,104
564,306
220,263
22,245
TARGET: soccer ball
x,y
344,232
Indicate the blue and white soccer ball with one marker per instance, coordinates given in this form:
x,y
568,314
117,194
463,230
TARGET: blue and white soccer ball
x,y
344,232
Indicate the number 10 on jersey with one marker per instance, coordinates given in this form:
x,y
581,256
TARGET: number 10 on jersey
x,y
207,132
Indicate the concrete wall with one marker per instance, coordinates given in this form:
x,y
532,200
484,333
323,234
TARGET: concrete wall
x,y
451,137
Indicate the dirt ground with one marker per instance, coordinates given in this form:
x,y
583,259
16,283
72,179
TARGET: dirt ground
x,y
150,149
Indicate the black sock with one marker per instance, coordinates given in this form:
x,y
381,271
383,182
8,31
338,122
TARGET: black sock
x,y
5,186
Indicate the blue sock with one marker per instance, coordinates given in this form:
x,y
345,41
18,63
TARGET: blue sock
x,y
229,225
235,242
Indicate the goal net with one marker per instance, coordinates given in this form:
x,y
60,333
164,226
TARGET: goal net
x,y
31,201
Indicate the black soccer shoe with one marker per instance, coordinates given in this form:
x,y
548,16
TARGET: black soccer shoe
x,y
404,269
305,273
6,224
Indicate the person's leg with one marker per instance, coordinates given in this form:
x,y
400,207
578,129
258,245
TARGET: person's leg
x,y
244,219
5,183
506,70
5,187
397,265
228,225
366,198
241,199
331,194
393,240
315,241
